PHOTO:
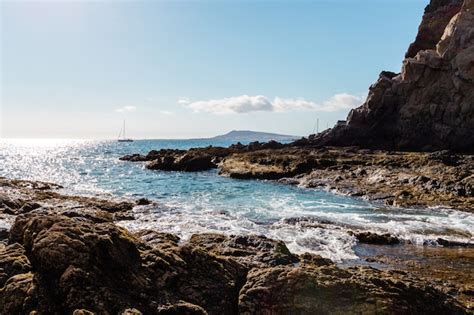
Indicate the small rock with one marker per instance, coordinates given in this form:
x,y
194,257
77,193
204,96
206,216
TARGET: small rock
x,y
376,239
143,202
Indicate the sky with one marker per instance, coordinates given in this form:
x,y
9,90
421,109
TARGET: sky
x,y
186,69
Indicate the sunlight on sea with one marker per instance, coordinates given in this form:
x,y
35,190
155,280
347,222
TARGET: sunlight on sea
x,y
307,220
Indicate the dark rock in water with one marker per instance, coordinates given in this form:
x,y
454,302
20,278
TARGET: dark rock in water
x,y
429,105
376,239
3,234
143,202
187,162
196,159
447,243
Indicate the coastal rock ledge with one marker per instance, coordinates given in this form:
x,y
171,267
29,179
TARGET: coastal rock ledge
x,y
55,264
429,105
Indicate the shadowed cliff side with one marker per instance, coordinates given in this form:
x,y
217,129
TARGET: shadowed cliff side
x,y
430,104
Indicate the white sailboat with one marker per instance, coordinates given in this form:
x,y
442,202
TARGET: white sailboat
x,y
121,137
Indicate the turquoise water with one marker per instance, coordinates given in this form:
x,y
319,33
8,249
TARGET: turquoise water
x,y
205,202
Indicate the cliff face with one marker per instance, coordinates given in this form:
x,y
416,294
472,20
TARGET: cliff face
x,y
430,104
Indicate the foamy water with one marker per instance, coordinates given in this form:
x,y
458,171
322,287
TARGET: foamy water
x,y
205,202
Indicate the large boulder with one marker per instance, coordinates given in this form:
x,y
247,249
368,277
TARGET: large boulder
x,y
430,104
331,290
79,263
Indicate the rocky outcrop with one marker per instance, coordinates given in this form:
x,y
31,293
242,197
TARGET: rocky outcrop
x,y
392,178
430,104
195,159
330,290
60,265
66,258
23,196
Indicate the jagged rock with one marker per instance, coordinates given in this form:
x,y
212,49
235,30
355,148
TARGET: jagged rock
x,y
18,295
195,159
430,105
13,261
187,162
330,290
250,250
76,264
376,239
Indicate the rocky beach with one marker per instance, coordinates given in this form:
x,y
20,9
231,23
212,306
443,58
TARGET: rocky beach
x,y
400,242
68,255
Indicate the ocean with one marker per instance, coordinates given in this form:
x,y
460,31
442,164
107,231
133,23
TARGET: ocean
x,y
190,203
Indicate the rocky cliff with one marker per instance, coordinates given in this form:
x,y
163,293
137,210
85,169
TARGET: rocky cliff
x,y
430,104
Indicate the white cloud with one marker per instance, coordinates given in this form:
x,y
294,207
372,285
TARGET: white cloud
x,y
236,104
183,101
286,104
341,101
126,109
246,104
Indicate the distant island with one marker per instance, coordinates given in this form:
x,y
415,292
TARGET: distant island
x,y
248,136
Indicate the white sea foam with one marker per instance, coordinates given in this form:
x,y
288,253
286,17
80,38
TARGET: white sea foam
x,y
205,202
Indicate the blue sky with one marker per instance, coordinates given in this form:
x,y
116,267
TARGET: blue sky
x,y
193,69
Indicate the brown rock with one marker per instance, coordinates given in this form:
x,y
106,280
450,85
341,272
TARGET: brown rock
x,y
330,290
429,105
250,250
376,239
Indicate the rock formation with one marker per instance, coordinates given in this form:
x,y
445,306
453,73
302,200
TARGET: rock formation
x,y
430,104
53,264
69,257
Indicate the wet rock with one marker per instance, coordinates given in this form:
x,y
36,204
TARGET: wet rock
x,y
187,162
143,202
376,239
448,243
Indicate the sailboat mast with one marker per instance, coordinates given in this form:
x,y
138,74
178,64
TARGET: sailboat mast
x,y
124,129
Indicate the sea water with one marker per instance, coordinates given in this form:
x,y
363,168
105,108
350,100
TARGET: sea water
x,y
188,203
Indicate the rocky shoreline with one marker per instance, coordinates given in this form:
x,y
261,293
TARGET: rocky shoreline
x,y
65,255
401,179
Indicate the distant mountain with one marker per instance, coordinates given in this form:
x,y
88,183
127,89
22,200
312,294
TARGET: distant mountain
x,y
247,136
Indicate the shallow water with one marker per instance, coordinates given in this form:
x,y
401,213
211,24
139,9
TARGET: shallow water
x,y
204,201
